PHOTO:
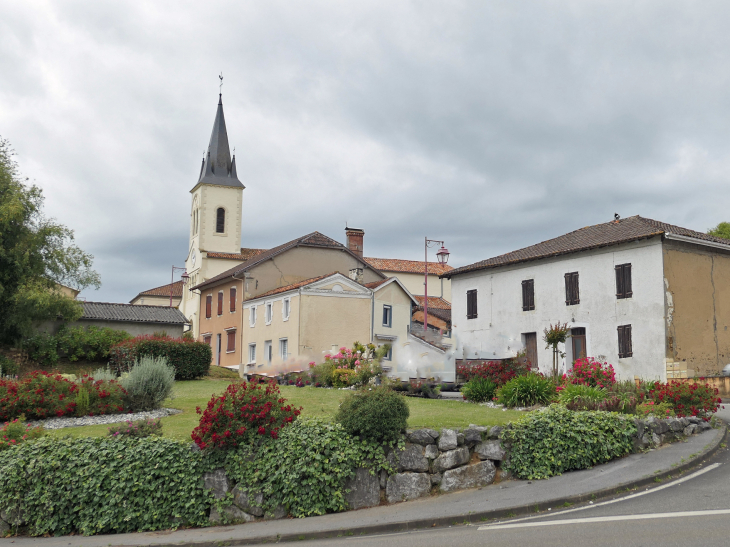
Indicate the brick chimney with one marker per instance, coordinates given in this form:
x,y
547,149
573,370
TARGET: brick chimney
x,y
354,240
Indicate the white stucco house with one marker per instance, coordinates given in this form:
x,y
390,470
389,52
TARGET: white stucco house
x,y
650,298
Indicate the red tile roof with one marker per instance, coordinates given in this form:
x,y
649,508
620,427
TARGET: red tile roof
x,y
591,237
291,287
164,290
376,284
245,254
407,266
434,302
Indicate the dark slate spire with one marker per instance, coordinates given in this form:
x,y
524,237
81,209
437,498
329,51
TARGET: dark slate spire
x,y
218,168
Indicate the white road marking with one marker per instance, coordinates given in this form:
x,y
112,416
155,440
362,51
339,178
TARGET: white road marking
x,y
625,498
589,520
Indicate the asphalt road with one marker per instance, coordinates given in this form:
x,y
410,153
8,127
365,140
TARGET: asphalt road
x,y
691,511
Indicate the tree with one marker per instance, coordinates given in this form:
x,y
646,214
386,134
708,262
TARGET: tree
x,y
556,334
721,230
36,254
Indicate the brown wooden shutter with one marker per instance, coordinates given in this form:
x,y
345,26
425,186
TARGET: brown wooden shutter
x,y
620,292
572,291
627,283
233,298
471,304
576,289
220,303
528,295
231,346
567,289
625,348
208,306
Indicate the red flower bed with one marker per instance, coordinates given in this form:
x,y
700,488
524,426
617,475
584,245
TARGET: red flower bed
x,y
105,397
688,399
593,373
40,395
499,372
244,413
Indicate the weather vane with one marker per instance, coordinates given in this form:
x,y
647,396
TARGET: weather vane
x,y
220,87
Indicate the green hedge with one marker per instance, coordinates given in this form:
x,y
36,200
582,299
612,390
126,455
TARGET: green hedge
x,y
104,485
73,343
190,359
556,440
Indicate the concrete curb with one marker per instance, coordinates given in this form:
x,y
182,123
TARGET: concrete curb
x,y
472,518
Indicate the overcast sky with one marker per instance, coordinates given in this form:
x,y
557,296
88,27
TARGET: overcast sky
x,y
491,125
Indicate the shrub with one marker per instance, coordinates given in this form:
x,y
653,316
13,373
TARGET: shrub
x,y
242,415
322,374
343,377
103,374
306,468
659,410
612,403
571,392
8,367
42,395
593,373
499,372
41,348
688,399
104,485
359,365
479,390
141,428
17,432
532,389
101,397
90,344
189,358
149,383
376,414
557,440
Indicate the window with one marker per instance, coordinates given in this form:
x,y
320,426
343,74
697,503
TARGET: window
x,y
233,299
269,312
388,356
208,339
623,281
252,316
471,304
220,220
208,306
252,353
220,303
284,348
231,345
578,339
267,351
624,342
285,309
572,295
387,316
528,295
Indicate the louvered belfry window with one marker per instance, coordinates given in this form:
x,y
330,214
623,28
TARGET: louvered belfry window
x,y
623,281
220,220
528,295
471,304
572,294
625,348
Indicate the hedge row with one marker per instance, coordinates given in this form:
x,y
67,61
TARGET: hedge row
x,y
189,358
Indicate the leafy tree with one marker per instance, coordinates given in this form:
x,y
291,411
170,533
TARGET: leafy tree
x,y
36,253
721,230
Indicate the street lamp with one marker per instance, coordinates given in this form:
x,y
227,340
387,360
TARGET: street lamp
x,y
184,278
442,255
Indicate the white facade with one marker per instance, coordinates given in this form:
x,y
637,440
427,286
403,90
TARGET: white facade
x,y
498,330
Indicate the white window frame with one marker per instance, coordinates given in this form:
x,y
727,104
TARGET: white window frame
x,y
252,316
268,352
389,324
284,348
269,314
286,309
251,354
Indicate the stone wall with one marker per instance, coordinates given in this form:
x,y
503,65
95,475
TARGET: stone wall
x,y
437,462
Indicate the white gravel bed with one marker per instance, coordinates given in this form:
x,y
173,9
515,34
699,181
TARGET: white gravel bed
x,y
60,423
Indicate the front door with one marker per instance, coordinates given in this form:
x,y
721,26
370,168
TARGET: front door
x,y
218,352
578,335
531,348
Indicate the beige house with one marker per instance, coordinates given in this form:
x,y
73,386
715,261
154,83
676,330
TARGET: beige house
x,y
160,296
412,273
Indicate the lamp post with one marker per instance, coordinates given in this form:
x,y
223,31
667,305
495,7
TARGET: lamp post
x,y
184,278
443,257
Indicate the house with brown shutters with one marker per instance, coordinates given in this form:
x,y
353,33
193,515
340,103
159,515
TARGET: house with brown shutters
x,y
651,298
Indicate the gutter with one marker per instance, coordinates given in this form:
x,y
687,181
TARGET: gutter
x,y
696,241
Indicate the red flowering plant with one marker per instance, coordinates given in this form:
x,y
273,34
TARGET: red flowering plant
x,y
16,432
499,372
40,395
98,397
592,373
8,399
243,414
688,399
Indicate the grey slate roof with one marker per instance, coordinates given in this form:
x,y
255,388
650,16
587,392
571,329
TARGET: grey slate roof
x,y
591,237
218,168
104,311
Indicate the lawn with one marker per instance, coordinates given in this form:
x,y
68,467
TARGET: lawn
x,y
315,402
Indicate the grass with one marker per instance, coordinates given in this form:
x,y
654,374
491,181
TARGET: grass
x,y
315,402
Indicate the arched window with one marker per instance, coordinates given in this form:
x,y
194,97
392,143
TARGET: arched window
x,y
220,220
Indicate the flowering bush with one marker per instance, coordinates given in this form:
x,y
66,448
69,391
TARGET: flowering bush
x,y
499,372
40,395
343,377
593,373
16,432
361,363
244,413
141,428
189,358
97,397
650,408
688,399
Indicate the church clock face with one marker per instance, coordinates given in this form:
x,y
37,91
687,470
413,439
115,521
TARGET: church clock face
x,y
194,257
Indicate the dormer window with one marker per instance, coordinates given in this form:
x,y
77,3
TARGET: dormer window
x,y
220,220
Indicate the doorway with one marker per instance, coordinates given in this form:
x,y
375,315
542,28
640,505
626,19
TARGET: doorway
x,y
531,348
578,335
218,352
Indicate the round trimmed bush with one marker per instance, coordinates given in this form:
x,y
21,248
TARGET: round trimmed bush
x,y
479,390
528,390
149,383
377,414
